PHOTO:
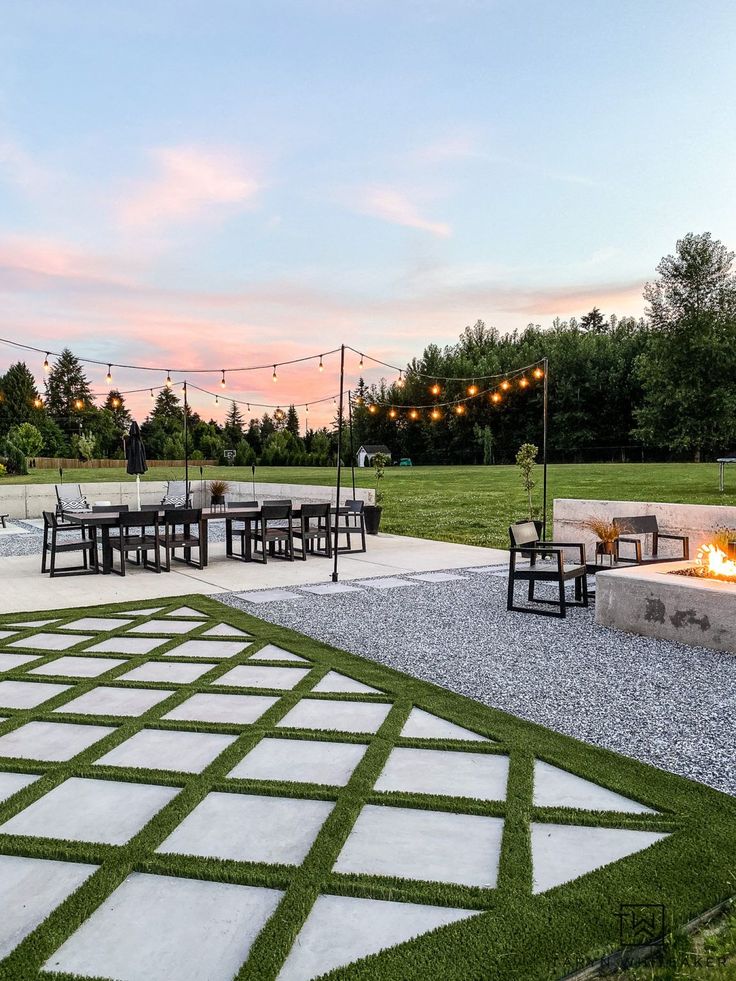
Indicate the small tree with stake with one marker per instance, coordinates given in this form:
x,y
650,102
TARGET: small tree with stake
x,y
526,461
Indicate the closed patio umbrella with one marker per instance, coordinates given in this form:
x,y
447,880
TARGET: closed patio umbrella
x,y
135,454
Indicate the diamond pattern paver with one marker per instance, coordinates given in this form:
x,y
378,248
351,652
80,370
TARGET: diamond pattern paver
x,y
165,627
270,652
96,623
336,682
250,828
156,928
10,661
70,666
262,676
11,783
208,649
132,646
51,741
210,707
28,694
301,761
554,787
159,749
424,725
172,672
50,642
455,774
91,810
115,701
224,630
328,714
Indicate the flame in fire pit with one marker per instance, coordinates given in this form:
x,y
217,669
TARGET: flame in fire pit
x,y
713,561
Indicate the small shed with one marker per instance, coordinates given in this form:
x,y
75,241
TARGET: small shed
x,y
366,453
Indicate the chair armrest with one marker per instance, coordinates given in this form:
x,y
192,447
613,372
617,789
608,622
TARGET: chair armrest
x,y
678,538
636,542
580,546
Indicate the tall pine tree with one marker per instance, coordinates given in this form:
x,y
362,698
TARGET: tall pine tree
x,y
234,425
68,392
292,421
19,399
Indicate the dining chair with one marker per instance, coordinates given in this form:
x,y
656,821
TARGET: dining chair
x,y
133,536
271,528
312,527
171,539
86,544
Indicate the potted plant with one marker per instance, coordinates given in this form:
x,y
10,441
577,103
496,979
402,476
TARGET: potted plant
x,y
373,512
607,532
218,490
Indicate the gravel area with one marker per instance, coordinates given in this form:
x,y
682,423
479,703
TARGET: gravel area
x,y
662,703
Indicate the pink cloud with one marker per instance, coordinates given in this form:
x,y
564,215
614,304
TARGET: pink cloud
x,y
392,205
30,260
189,182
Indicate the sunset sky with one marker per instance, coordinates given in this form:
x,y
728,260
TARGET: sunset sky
x,y
242,181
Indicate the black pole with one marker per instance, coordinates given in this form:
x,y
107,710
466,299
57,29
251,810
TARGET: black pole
x,y
253,478
350,431
186,449
339,458
544,447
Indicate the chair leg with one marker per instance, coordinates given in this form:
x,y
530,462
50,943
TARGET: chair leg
x,y
563,601
510,594
584,579
52,565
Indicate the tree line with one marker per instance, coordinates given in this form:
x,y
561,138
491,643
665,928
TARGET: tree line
x,y
660,386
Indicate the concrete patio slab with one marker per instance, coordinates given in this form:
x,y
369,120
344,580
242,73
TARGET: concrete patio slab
x,y
49,642
424,725
154,928
429,845
72,666
210,707
453,774
144,611
330,715
342,929
554,787
187,611
28,694
327,588
10,661
561,852
436,576
167,671
133,646
165,627
269,596
53,742
159,749
96,623
30,889
301,761
103,811
206,649
25,624
11,783
250,828
115,701
263,676
224,630
270,652
335,682
392,582
4,634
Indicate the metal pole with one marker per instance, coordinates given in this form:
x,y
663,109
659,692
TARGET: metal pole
x,y
350,431
339,458
544,447
186,449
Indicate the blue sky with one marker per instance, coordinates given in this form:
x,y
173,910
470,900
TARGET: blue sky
x,y
235,182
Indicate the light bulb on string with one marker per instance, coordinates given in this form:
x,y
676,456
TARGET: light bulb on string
x,y
496,397
168,379
360,363
78,404
472,389
505,384
460,409
413,414
401,380
279,415
373,409
435,414
523,382
116,403
222,380
539,372
321,366
274,376
392,413
435,389
248,404
38,402
306,410
46,365
217,399
152,395
108,378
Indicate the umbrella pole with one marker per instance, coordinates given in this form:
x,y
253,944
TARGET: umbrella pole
x,y
138,489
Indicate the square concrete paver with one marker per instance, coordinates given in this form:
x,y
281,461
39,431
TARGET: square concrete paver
x,y
10,661
96,623
454,774
262,676
336,682
206,649
269,596
327,588
270,652
250,828
554,787
133,646
209,707
115,701
329,714
77,667
167,672
143,611
30,889
50,642
50,741
103,811
28,694
165,627
11,783
390,582
428,845
159,749
436,576
301,761
157,928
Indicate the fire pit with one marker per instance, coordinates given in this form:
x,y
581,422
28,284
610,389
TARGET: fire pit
x,y
693,603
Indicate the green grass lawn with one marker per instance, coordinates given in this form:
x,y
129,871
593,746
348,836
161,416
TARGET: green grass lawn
x,y
517,933
473,505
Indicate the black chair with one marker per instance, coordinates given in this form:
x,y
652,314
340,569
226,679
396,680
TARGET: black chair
x,y
133,536
86,544
171,539
349,524
235,527
69,497
178,494
646,524
311,534
525,542
272,527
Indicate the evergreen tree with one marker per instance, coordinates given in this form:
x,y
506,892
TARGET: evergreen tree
x,y
267,427
594,322
292,421
163,430
19,399
68,393
234,425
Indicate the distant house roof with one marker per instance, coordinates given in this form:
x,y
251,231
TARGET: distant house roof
x,y
372,449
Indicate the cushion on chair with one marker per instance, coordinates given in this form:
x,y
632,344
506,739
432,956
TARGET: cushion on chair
x,y
76,505
174,502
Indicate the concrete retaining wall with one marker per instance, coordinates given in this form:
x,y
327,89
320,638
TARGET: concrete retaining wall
x,y
30,500
697,521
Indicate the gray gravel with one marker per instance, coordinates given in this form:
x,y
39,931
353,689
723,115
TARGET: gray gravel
x,y
659,702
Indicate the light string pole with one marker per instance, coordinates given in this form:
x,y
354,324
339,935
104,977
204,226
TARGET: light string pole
x,y
350,438
545,426
186,448
339,460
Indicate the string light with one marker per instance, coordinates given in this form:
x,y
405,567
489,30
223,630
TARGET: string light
x,y
152,395
496,397
248,404
78,404
460,409
413,414
505,384
373,409
115,403
274,376
436,414
321,366
222,380
279,415
400,382
108,378
538,372
523,382
472,389
360,365
38,402
46,365
306,410
217,399
435,389
392,413
168,379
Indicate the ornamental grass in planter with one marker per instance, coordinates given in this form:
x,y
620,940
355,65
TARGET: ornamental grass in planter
x,y
218,490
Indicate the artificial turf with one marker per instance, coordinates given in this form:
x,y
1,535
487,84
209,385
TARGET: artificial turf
x,y
518,935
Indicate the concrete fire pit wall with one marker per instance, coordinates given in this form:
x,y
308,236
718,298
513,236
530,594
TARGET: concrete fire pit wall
x,y
697,521
649,600
29,500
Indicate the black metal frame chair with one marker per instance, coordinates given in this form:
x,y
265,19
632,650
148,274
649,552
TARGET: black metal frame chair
x,y
75,494
353,523
86,544
311,535
646,524
177,490
525,542
141,543
170,540
272,527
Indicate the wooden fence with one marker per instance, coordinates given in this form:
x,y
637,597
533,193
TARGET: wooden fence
x,y
68,463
